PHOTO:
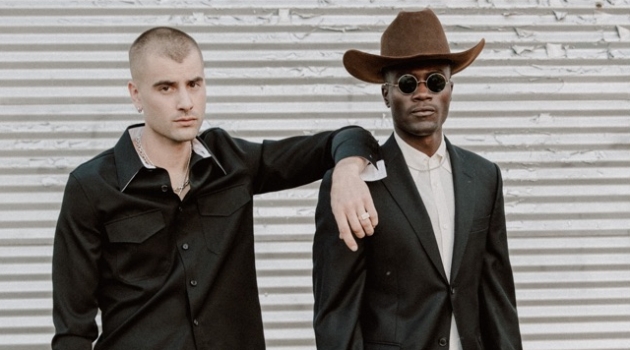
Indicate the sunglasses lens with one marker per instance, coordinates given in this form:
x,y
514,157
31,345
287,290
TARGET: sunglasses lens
x,y
436,82
407,83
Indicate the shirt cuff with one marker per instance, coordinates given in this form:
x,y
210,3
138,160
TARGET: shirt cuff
x,y
374,172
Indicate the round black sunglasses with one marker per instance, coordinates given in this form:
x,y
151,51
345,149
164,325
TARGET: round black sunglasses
x,y
407,84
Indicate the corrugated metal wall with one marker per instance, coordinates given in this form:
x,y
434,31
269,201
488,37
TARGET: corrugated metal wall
x,y
548,99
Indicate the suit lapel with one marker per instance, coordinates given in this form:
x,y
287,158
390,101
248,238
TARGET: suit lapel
x,y
403,190
464,188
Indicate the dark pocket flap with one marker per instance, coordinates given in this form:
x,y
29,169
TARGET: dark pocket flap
x,y
224,202
135,229
381,346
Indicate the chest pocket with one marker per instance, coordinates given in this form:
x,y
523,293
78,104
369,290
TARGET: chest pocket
x,y
138,248
225,215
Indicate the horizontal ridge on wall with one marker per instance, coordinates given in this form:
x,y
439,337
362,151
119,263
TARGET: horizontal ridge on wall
x,y
547,100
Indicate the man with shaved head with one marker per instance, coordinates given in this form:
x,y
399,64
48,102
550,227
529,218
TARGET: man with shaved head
x,y
157,232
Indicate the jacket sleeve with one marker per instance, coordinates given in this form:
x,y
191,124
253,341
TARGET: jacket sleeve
x,y
299,160
338,281
76,251
499,319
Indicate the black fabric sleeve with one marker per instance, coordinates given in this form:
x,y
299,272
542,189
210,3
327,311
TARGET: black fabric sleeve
x,y
75,275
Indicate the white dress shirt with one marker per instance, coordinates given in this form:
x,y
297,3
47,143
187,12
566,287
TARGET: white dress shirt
x,y
433,177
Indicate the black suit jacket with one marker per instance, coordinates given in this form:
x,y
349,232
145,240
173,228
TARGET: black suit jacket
x,y
393,293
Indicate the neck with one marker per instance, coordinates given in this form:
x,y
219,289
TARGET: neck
x,y
426,144
164,153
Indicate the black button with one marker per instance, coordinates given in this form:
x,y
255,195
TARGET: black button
x,y
443,342
164,188
195,322
185,246
452,290
180,209
193,282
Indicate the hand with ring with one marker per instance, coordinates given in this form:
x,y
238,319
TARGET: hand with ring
x,y
351,201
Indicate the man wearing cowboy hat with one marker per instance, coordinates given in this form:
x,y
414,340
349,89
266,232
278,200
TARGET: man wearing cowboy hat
x,y
436,274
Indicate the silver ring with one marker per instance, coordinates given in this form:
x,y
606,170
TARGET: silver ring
x,y
365,216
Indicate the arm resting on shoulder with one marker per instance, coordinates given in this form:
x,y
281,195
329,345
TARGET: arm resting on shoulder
x,y
299,160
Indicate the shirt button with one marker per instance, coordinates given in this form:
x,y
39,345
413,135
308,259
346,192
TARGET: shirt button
x,y
193,282
185,246
195,322
442,341
164,188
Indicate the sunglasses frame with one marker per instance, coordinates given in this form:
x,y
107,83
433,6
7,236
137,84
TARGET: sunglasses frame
x,y
418,82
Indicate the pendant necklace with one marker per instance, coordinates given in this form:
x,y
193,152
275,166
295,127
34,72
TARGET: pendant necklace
x,y
146,159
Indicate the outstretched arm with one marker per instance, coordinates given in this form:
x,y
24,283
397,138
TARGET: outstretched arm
x,y
296,161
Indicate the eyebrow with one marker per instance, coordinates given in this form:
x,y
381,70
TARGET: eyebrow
x,y
170,83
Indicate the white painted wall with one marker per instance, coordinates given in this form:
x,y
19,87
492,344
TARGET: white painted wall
x,y
548,99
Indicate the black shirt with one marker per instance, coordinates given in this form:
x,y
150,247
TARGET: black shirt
x,y
169,273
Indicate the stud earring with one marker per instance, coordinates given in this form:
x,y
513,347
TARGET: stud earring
x,y
139,109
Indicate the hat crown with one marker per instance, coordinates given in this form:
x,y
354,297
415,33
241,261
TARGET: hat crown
x,y
414,33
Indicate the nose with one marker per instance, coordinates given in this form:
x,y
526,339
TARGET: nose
x,y
185,102
422,92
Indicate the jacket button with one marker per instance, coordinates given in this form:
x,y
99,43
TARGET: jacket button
x,y
452,290
195,322
443,342
164,188
185,246
193,282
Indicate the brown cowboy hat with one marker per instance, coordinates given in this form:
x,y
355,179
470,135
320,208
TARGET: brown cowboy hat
x,y
411,37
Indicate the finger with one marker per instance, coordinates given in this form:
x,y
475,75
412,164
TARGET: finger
x,y
344,230
366,223
348,239
370,209
355,224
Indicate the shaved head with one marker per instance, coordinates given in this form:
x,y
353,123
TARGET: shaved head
x,y
160,41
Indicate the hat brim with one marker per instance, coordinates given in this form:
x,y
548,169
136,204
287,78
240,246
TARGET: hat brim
x,y
369,67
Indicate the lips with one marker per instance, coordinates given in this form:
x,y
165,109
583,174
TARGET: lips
x,y
186,121
423,111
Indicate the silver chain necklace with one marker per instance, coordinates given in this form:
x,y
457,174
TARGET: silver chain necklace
x,y
146,159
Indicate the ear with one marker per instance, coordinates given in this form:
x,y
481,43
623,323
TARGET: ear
x,y
385,93
135,95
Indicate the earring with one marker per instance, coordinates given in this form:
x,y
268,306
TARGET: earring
x,y
139,109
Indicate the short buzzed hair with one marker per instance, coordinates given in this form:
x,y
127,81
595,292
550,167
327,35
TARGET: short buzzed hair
x,y
162,41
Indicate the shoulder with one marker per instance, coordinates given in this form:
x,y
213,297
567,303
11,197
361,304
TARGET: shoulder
x,y
474,162
218,138
97,166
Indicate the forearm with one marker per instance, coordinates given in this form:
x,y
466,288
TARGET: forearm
x,y
300,160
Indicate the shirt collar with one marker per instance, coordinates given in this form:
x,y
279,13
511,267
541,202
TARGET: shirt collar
x,y
420,161
129,162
